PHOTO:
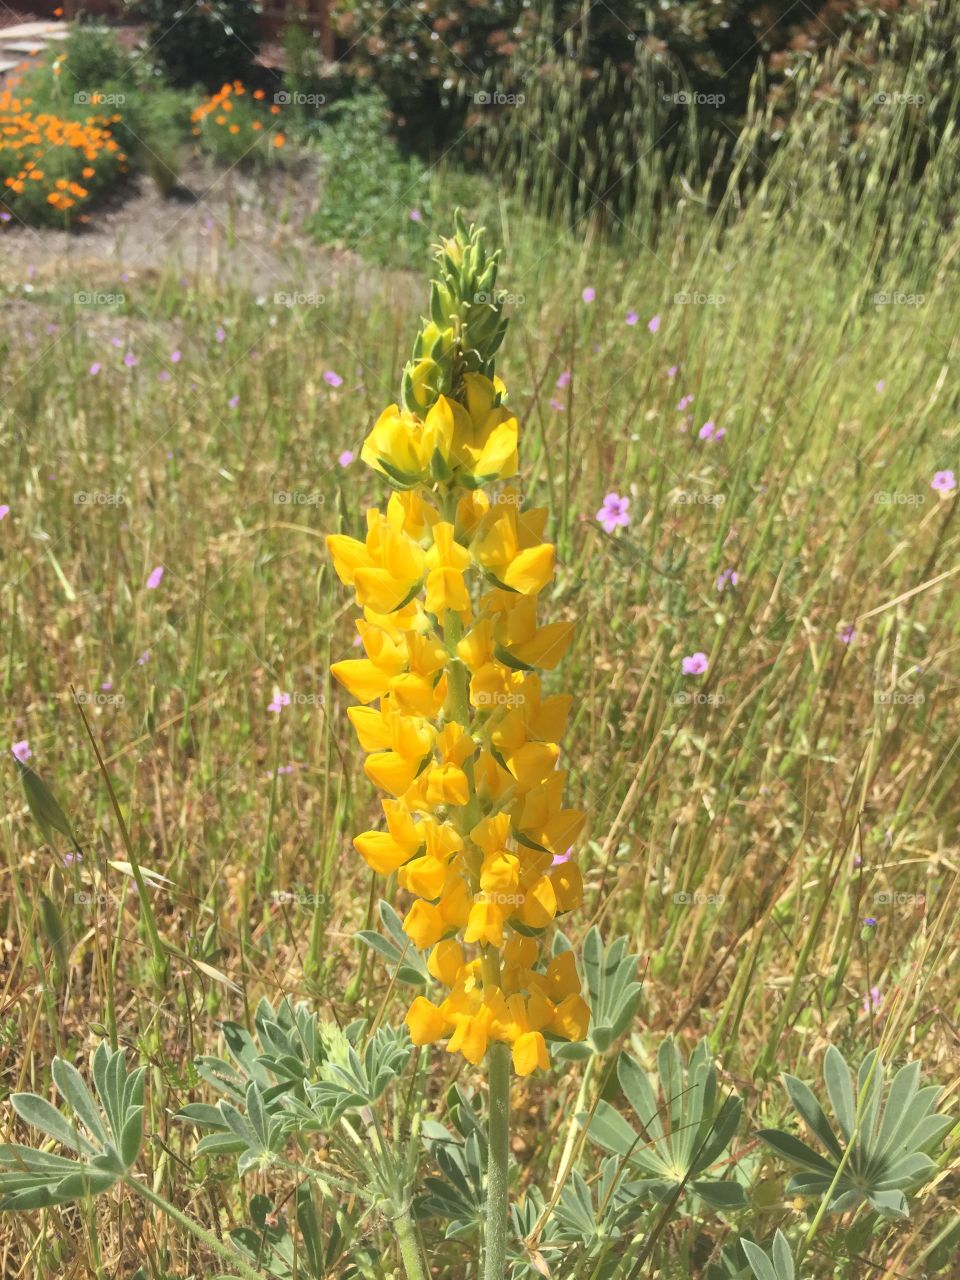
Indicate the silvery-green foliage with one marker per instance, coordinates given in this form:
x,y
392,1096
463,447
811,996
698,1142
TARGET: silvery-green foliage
x,y
106,1137
678,1140
613,993
882,1148
777,1265
316,1250
405,963
460,1153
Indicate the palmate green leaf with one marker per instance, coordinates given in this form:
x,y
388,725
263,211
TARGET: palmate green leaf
x,y
107,1141
777,1266
889,1155
676,1153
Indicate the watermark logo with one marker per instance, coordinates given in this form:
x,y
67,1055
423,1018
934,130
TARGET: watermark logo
x,y
298,498
98,498
897,498
94,98
898,299
498,699
698,899
690,98
899,99
701,499
685,299
289,98
496,98
893,899
86,298
500,298
299,299
298,898
693,698
99,698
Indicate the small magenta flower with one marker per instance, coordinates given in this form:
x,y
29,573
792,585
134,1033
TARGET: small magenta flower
x,y
144,658
233,401
870,921
614,514
684,403
280,700
632,317
560,858
416,215
695,665
164,375
881,387
710,431
346,458
727,578
130,360
4,511
70,858
174,357
654,324
21,750
846,634
332,379
943,482
564,379
557,404
672,372
106,684
220,334
156,577
589,293
872,1001
94,368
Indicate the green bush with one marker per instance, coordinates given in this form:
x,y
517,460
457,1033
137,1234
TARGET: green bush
x,y
202,44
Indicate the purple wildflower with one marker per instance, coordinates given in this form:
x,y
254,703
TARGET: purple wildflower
x,y
695,665
346,458
415,215
873,1001
94,368
332,379
727,578
684,403
21,750
943,482
130,360
589,293
4,510
632,317
614,514
564,379
280,700
654,324
846,634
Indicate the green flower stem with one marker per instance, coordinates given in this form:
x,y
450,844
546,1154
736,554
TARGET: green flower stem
x,y
409,1246
232,1256
498,1134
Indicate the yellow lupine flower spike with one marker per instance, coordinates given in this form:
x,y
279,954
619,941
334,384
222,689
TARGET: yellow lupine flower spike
x,y
458,732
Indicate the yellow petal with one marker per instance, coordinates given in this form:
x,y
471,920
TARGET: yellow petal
x,y
425,1022
362,678
529,1053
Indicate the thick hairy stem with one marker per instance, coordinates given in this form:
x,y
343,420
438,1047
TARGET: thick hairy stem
x,y
498,1134
409,1246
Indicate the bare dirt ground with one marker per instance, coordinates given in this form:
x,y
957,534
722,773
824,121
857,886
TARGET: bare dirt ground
x,y
217,229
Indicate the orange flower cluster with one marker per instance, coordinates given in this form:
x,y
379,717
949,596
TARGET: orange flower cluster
x,y
227,112
43,157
